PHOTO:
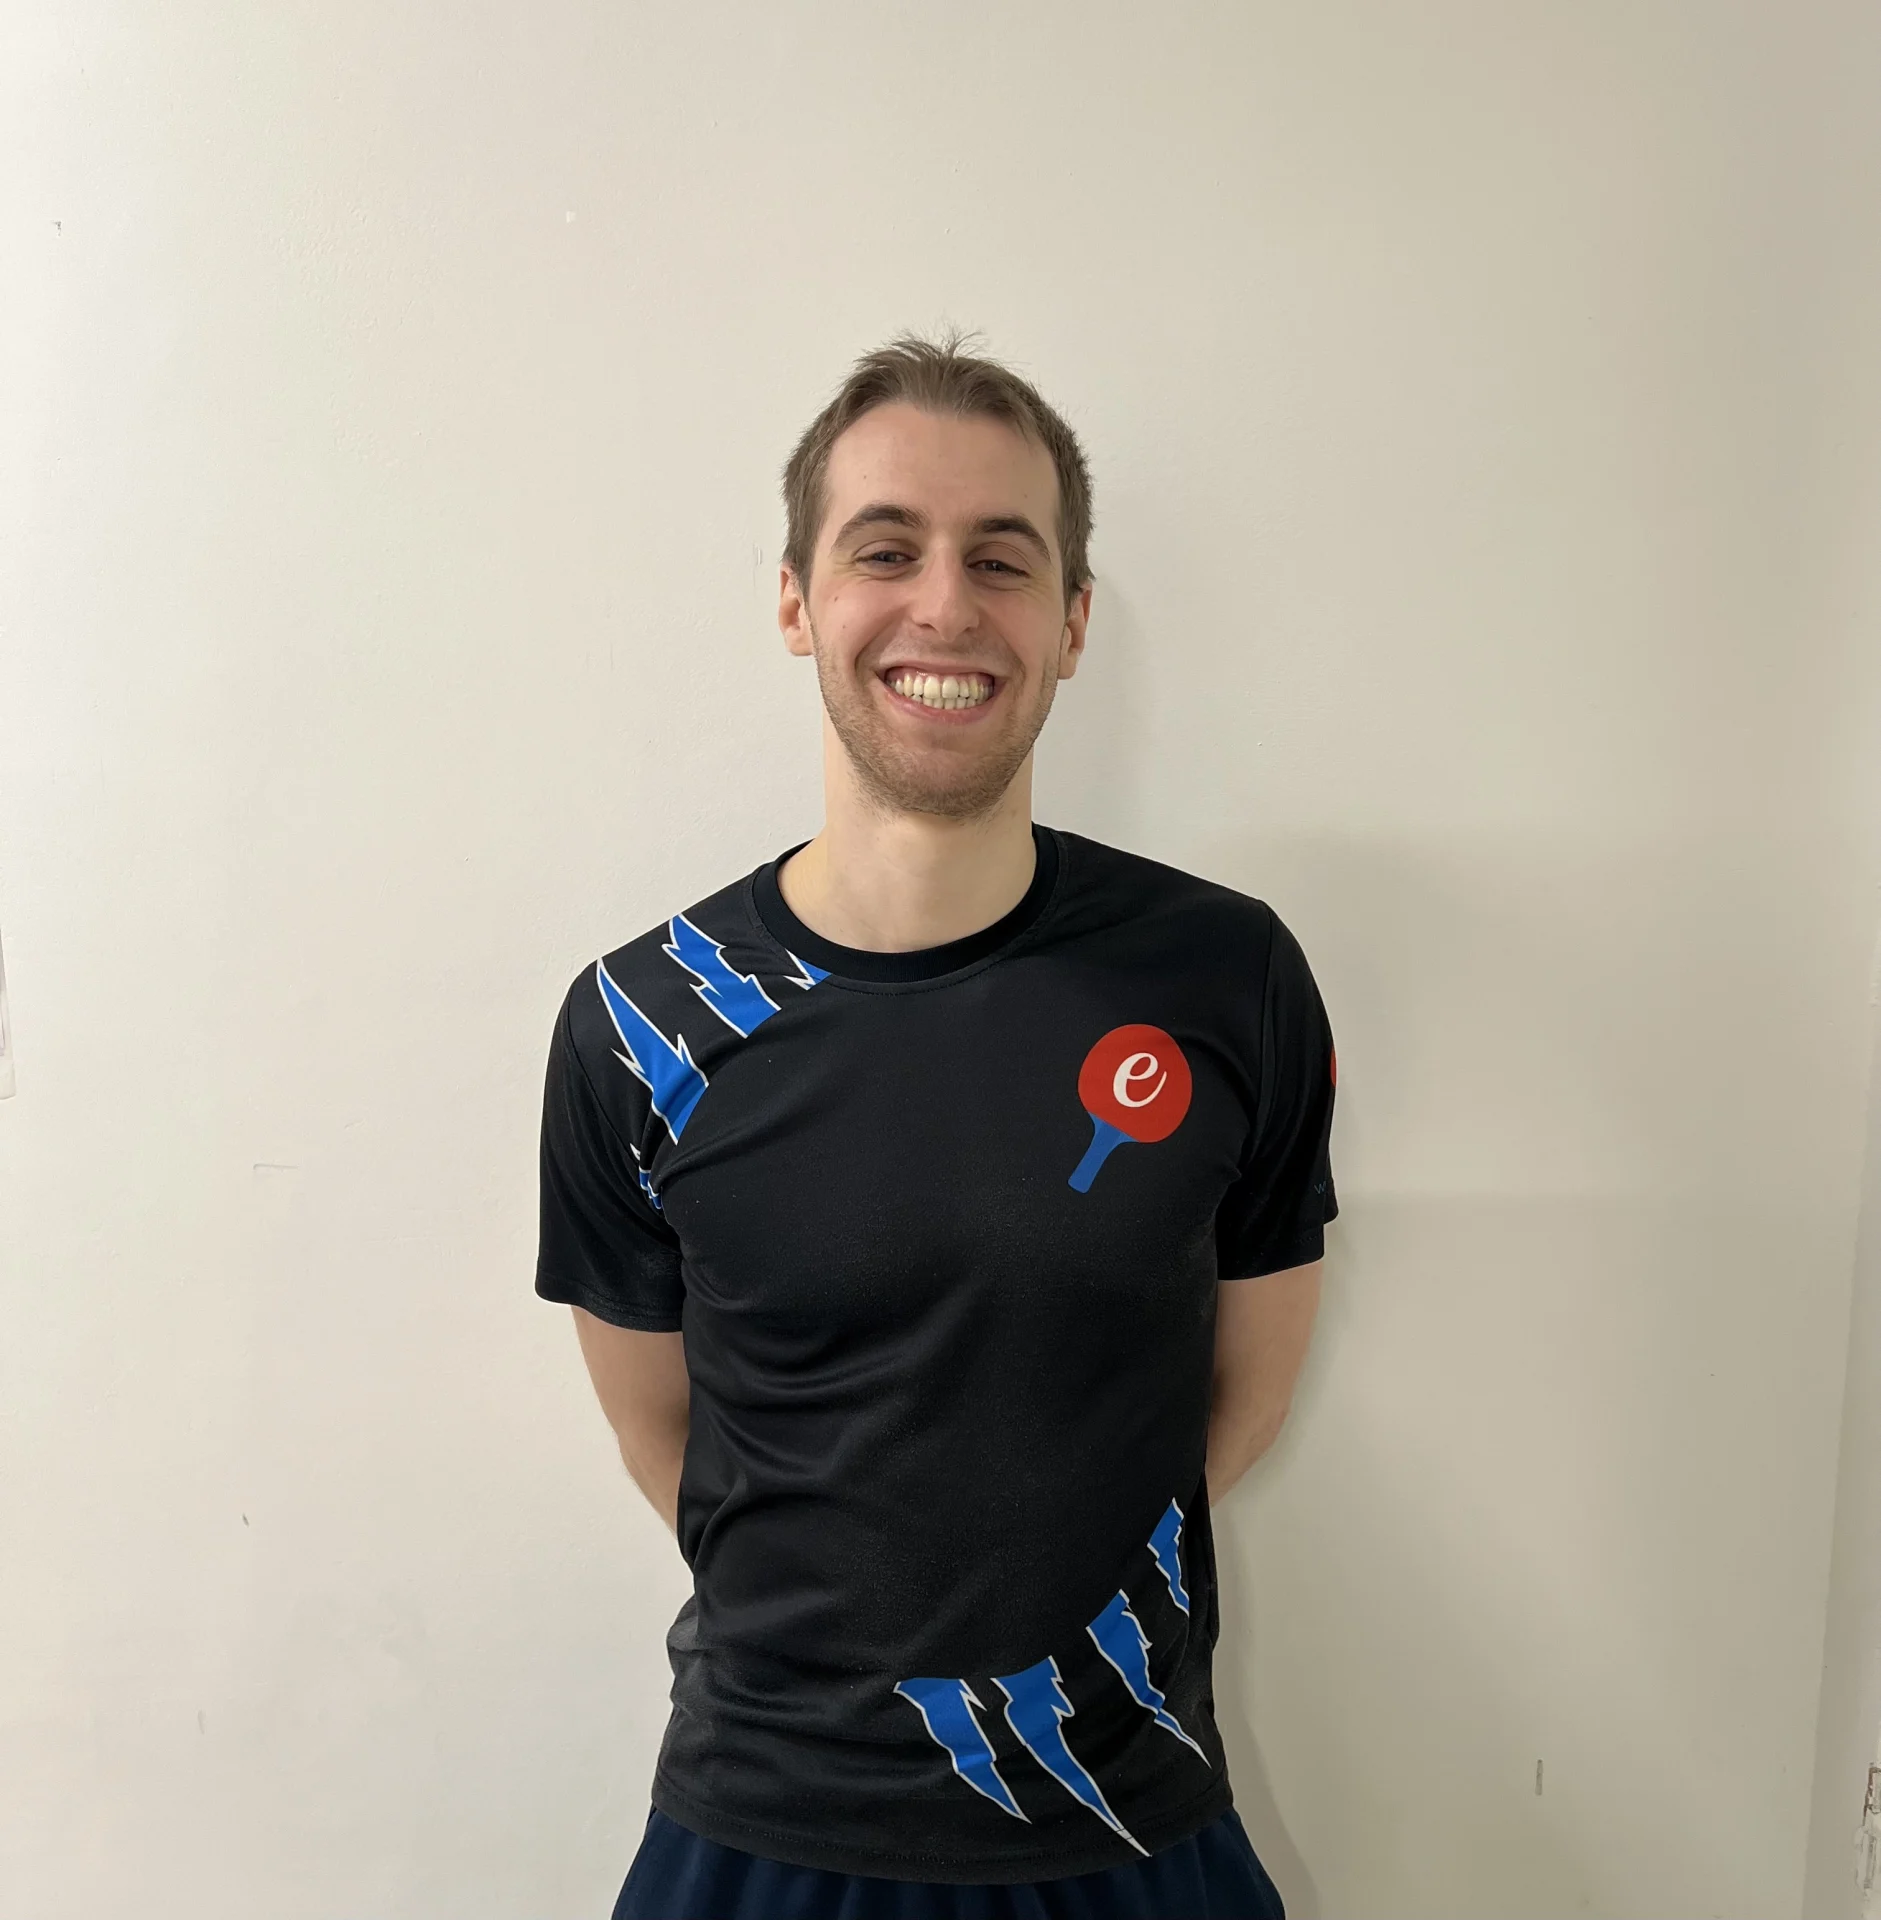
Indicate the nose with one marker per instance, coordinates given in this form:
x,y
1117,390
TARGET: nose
x,y
943,597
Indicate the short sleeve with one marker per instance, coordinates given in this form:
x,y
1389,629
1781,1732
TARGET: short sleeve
x,y
1274,1215
603,1245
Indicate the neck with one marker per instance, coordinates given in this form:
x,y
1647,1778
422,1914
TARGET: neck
x,y
892,882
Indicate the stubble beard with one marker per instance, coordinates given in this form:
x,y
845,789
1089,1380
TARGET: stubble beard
x,y
963,786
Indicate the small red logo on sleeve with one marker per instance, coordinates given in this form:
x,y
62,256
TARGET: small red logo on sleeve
x,y
1135,1085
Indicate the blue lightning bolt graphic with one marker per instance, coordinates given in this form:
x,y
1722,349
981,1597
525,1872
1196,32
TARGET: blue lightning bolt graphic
x,y
947,1708
1035,1704
668,1070
646,1185
1165,1543
735,997
1121,1640
806,975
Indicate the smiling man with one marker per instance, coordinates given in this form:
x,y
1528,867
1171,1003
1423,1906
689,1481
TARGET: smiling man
x,y
941,1206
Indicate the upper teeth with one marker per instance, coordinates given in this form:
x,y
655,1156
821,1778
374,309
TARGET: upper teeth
x,y
949,690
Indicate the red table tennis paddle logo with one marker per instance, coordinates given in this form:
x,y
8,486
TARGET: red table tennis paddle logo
x,y
1135,1086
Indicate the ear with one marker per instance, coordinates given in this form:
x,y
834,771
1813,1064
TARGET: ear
x,y
1071,641
793,613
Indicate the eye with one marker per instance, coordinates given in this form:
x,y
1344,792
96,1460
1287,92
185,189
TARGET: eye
x,y
889,554
1005,566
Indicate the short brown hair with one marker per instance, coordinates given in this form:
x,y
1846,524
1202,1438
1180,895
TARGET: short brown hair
x,y
939,377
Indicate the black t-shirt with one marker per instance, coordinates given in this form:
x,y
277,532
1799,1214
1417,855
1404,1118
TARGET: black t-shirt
x,y
944,1232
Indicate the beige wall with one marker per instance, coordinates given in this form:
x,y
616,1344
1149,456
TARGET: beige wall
x,y
1848,1733
1483,406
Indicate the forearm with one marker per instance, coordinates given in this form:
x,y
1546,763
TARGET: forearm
x,y
652,1454
645,1393
1262,1326
1241,1427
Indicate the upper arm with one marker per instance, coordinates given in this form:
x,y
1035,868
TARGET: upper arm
x,y
639,1376
603,1244
1262,1328
1274,1215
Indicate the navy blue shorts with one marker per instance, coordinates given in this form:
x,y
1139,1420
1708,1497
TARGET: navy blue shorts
x,y
1212,1875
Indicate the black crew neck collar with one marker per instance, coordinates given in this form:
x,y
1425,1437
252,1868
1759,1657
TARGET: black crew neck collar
x,y
926,963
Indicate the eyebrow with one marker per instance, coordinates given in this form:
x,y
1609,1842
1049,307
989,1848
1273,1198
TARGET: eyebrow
x,y
1017,523
885,513
881,513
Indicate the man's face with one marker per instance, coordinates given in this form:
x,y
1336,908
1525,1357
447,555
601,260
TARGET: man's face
x,y
937,566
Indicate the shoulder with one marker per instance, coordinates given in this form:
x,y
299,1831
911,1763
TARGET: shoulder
x,y
670,997
1108,886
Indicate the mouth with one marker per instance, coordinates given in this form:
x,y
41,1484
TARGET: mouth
x,y
940,692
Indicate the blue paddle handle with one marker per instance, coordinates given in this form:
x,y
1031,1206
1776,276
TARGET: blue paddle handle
x,y
1104,1142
